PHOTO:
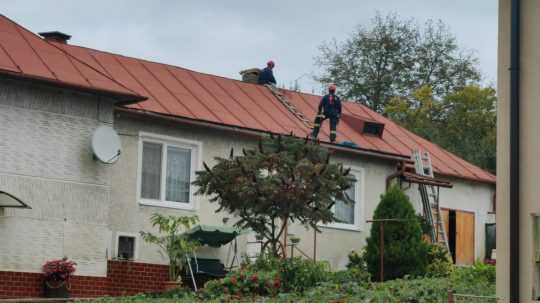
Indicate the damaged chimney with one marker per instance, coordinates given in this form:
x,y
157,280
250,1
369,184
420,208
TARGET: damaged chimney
x,y
251,75
55,36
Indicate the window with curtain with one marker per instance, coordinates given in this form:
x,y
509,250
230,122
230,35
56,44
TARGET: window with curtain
x,y
345,212
151,171
178,174
166,171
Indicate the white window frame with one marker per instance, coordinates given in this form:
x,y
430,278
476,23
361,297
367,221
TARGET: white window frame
x,y
135,244
196,164
359,195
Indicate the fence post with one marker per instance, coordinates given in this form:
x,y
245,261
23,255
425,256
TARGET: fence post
x,y
451,296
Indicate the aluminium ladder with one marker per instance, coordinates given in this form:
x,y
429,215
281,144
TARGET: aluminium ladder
x,y
430,199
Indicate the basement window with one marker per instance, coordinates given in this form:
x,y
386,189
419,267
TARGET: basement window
x,y
126,247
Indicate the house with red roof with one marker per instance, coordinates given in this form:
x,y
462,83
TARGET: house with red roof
x,y
54,95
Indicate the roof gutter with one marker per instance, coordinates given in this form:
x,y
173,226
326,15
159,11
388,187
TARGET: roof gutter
x,y
515,20
256,133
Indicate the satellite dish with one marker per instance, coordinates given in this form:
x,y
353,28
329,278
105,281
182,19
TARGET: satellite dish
x,y
106,145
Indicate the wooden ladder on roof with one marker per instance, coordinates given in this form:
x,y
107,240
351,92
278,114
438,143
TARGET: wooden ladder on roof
x,y
430,199
289,106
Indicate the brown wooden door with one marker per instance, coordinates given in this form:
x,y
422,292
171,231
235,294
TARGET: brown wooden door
x,y
464,238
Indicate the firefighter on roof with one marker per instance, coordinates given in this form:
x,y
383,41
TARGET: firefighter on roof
x,y
329,108
267,75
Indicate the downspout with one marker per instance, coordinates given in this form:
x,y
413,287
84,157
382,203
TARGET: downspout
x,y
515,14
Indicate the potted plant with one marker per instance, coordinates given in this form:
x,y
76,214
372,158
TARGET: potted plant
x,y
173,243
57,274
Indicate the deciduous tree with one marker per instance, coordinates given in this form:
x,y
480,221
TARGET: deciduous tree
x,y
284,179
394,57
463,122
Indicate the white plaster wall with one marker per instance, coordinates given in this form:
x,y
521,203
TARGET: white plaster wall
x,y
467,196
127,215
333,245
46,160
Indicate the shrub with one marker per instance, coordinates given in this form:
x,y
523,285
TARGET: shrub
x,y
172,241
242,283
410,290
354,275
300,274
404,251
264,262
479,272
478,279
296,274
439,264
357,259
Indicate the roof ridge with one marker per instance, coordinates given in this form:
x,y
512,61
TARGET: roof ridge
x,y
181,67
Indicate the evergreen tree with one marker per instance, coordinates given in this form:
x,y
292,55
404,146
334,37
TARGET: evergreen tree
x,y
405,253
284,179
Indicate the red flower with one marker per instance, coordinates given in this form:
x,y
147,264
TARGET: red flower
x,y
254,278
277,283
233,280
58,270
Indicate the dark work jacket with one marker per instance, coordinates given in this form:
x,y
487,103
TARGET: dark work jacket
x,y
330,106
266,77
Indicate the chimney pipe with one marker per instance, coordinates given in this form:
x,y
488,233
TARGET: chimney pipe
x,y
55,36
250,75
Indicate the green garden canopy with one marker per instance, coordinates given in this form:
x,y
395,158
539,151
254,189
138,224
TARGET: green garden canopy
x,y
214,236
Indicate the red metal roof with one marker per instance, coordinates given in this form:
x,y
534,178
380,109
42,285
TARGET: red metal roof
x,y
185,93
25,55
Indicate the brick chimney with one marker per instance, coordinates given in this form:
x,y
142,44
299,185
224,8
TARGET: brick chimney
x,y
250,75
55,36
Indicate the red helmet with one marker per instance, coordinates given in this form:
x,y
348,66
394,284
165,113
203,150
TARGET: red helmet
x,y
332,87
270,63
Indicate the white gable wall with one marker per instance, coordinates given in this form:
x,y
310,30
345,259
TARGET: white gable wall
x,y
46,161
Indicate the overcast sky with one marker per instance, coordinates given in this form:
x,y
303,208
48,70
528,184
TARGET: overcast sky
x,y
224,37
